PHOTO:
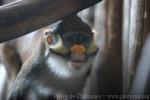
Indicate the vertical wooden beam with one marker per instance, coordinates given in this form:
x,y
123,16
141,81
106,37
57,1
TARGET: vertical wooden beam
x,y
147,19
110,62
126,35
136,35
141,83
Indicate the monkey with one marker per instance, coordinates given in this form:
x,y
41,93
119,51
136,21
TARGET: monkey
x,y
54,62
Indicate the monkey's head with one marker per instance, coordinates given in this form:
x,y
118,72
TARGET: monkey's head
x,y
71,47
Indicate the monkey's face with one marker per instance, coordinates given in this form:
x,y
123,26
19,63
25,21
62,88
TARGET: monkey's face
x,y
80,48
75,49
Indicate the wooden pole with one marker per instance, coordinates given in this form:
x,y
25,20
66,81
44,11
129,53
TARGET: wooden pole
x,y
141,80
126,36
147,19
141,83
24,16
136,35
109,61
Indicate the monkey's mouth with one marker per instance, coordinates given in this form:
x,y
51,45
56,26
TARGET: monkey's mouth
x,y
77,60
78,57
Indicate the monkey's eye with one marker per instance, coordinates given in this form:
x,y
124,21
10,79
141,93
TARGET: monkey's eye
x,y
69,39
86,39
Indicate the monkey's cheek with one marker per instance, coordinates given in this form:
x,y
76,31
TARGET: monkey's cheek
x,y
75,65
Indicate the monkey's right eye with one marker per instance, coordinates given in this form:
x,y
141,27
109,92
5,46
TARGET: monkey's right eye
x,y
69,40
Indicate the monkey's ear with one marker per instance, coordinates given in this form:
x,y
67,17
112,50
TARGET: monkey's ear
x,y
49,37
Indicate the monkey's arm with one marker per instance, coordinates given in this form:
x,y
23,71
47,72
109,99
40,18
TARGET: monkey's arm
x,y
29,71
25,79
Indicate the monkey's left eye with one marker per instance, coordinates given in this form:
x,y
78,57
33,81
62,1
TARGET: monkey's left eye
x,y
86,39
